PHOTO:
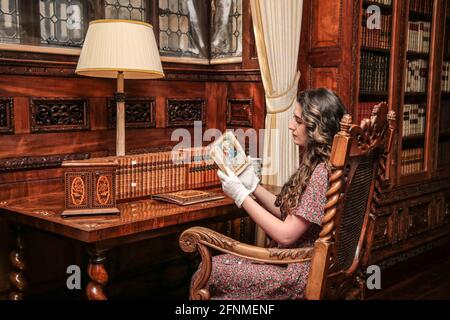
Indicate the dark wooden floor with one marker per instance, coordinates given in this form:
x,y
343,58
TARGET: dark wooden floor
x,y
425,277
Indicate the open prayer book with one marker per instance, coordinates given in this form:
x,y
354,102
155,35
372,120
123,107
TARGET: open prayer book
x,y
188,197
228,152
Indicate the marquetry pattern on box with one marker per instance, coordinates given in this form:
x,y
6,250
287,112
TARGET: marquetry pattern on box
x,y
6,115
59,114
148,174
90,187
181,113
240,112
139,113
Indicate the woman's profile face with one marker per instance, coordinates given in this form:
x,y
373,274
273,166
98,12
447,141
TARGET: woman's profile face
x,y
298,128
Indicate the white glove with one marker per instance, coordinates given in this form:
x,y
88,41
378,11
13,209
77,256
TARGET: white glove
x,y
233,187
249,179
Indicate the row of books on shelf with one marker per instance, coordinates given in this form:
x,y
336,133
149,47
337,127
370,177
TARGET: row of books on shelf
x,y
374,72
445,84
412,161
421,6
419,37
414,119
156,173
444,153
377,38
416,76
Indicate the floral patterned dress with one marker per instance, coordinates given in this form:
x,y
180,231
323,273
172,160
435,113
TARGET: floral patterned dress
x,y
235,278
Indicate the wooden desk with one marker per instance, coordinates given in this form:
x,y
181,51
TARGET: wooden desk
x,y
138,220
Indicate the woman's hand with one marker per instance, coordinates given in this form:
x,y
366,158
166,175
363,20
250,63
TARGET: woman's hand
x,y
249,179
233,187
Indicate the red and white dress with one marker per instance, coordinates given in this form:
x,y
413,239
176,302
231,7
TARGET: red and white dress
x,y
234,278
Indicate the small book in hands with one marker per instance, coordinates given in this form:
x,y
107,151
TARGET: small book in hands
x,y
188,197
228,152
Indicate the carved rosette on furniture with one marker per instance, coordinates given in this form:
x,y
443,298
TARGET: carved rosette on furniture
x,y
17,260
97,274
203,240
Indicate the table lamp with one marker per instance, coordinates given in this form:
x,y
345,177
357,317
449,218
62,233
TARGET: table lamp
x,y
120,49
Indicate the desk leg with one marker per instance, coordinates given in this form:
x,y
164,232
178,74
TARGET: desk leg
x,y
16,258
98,275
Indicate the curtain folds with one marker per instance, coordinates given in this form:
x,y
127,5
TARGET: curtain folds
x,y
277,27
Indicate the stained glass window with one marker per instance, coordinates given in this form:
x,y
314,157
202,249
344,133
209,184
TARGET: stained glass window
x,y
182,28
9,21
62,22
125,9
226,39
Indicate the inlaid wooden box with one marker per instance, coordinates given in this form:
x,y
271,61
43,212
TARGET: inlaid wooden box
x,y
90,187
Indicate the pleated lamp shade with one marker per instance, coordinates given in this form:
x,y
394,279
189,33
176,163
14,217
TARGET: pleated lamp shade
x,y
113,46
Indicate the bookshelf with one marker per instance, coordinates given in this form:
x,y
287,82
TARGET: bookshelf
x,y
375,58
443,148
416,186
415,91
400,63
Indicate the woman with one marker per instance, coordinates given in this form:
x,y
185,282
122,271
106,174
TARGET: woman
x,y
293,218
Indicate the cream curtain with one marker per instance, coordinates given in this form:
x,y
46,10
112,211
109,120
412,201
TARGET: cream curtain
x,y
277,27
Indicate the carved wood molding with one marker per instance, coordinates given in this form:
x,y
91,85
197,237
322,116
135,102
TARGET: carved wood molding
x,y
240,112
40,162
6,115
58,114
139,113
42,64
413,191
184,112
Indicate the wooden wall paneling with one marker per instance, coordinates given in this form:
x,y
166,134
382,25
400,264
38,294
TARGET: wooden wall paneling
x,y
216,95
240,112
53,87
328,38
98,113
327,17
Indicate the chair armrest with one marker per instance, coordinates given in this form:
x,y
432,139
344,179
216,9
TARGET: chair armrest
x,y
203,240
191,239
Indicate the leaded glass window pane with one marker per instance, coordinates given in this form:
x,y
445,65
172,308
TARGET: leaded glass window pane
x,y
182,27
9,21
125,9
62,22
226,39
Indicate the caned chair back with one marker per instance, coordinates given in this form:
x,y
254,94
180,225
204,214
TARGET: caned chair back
x,y
358,160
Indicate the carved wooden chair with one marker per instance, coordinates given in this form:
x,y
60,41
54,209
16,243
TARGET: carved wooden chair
x,y
358,160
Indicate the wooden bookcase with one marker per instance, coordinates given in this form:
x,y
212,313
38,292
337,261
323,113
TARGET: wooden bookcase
x,y
413,211
442,160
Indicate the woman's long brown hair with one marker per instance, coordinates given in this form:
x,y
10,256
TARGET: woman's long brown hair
x,y
322,111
